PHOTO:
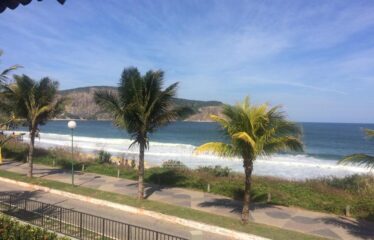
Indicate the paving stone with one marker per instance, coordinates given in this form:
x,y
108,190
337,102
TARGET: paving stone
x,y
305,220
278,214
326,233
181,196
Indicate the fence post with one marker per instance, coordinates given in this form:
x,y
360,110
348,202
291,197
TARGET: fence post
x,y
196,235
103,228
348,211
43,214
269,197
81,225
128,232
208,188
10,202
60,220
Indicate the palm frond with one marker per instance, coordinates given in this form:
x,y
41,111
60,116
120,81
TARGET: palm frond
x,y
369,133
219,148
281,144
257,130
246,138
358,159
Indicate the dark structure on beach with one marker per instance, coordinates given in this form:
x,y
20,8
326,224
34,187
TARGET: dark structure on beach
x,y
13,4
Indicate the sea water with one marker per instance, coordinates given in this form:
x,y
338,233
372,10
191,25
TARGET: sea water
x,y
325,145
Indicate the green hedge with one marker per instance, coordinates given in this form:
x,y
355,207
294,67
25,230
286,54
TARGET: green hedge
x,y
13,230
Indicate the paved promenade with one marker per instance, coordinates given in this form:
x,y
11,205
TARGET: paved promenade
x,y
103,211
325,225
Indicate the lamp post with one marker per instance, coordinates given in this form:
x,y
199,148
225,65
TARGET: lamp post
x,y
72,125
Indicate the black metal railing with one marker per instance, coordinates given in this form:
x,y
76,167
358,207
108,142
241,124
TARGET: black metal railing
x,y
74,223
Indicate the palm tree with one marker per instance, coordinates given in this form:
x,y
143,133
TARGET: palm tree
x,y
141,107
253,131
6,118
4,73
360,158
35,102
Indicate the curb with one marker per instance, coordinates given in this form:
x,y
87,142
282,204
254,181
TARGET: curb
x,y
188,223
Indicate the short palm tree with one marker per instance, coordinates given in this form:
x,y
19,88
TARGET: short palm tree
x,y
253,131
360,158
4,73
5,116
141,106
35,102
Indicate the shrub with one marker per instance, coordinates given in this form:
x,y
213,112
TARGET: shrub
x,y
104,157
174,164
12,229
217,171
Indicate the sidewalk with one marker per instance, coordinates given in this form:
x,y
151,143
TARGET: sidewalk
x,y
103,211
325,225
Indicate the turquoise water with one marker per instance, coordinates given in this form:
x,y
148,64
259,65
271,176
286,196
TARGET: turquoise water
x,y
325,144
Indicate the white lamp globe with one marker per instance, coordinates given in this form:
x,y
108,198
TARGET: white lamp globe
x,y
72,124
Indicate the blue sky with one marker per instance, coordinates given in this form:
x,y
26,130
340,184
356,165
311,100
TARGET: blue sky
x,y
316,58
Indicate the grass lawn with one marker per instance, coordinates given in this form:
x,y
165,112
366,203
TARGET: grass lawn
x,y
186,213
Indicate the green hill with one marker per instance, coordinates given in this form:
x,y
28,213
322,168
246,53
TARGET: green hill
x,y
81,105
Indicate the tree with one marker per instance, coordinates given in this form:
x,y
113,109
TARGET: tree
x,y
4,73
360,159
253,131
35,102
6,118
141,107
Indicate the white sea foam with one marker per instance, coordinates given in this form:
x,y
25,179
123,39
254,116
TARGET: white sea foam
x,y
285,166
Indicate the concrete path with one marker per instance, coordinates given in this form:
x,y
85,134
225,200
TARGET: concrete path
x,y
320,224
102,211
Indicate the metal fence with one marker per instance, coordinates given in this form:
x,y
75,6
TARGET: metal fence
x,y
76,224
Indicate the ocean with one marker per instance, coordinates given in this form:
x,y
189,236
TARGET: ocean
x,y
325,144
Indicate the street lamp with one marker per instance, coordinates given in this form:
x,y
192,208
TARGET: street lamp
x,y
72,125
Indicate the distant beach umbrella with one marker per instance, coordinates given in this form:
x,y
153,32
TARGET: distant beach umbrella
x,y
13,4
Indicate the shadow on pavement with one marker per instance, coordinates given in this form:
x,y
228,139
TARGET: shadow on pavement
x,y
359,228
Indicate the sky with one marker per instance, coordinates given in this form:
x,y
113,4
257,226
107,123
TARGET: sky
x,y
315,58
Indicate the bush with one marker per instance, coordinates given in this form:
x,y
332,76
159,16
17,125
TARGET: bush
x,y
216,171
12,229
104,157
174,164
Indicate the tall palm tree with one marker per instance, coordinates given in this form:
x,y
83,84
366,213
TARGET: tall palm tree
x,y
35,102
360,158
141,107
253,131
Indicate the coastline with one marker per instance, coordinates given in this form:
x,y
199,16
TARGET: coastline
x,y
291,167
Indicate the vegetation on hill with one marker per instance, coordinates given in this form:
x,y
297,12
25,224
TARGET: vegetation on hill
x,y
81,105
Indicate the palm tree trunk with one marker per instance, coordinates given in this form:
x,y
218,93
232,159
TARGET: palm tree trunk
x,y
248,167
31,151
141,171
